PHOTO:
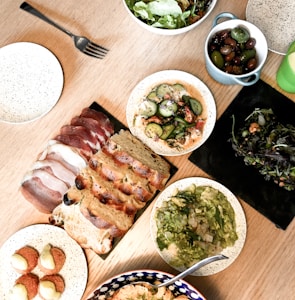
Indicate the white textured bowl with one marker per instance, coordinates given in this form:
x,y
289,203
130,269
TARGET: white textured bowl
x,y
111,285
163,31
261,51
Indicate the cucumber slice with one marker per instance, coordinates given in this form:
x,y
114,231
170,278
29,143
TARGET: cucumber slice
x,y
167,108
152,96
196,106
178,87
163,89
167,130
153,130
148,108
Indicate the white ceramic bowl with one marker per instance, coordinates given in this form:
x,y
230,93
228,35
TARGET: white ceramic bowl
x,y
261,51
111,285
232,252
170,31
142,89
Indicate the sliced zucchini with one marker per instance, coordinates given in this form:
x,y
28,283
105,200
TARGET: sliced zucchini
x,y
167,130
167,108
152,96
148,108
153,130
163,89
196,106
178,87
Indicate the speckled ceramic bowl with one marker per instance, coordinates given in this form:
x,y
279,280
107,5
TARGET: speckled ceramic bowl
x,y
163,31
111,285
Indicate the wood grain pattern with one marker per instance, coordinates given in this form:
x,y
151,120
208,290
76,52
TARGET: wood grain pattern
x,y
265,268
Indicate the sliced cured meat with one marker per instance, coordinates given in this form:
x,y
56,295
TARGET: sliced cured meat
x,y
99,116
77,142
57,168
48,180
42,197
93,125
66,154
84,133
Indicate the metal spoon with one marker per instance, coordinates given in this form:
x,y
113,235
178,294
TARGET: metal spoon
x,y
185,273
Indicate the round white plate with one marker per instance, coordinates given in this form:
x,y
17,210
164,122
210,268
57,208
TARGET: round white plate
x,y
276,19
31,82
74,271
241,226
170,76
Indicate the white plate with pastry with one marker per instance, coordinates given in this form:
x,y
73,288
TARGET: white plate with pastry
x,y
31,82
172,112
74,270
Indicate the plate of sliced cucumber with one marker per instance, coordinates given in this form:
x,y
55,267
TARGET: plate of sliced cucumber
x,y
172,112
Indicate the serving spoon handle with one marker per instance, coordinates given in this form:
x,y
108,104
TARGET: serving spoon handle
x,y
192,269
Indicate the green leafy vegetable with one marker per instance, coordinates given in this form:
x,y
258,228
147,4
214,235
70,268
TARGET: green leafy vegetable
x,y
169,14
195,223
267,145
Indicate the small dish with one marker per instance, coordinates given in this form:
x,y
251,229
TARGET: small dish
x,y
169,32
31,82
38,236
109,287
232,252
197,89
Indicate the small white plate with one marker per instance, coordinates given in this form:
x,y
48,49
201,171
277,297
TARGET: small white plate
x,y
74,271
276,19
31,82
241,226
142,89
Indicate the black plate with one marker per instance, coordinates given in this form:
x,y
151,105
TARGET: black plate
x,y
217,158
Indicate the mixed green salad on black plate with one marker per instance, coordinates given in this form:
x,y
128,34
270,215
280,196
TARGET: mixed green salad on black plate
x,y
168,14
268,145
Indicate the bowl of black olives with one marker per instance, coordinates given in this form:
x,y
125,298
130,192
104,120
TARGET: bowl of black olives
x,y
235,51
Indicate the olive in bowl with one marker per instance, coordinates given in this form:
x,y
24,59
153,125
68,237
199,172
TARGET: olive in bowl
x,y
235,51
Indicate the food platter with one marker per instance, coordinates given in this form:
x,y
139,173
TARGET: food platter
x,y
241,227
142,89
31,82
38,236
275,18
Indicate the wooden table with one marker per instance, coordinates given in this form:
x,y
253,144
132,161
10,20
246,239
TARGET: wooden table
x,y
265,267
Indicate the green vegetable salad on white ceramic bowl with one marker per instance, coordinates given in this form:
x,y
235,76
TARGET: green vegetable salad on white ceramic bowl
x,y
195,218
169,17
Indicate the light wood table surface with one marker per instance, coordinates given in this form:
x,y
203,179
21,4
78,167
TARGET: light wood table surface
x,y
265,267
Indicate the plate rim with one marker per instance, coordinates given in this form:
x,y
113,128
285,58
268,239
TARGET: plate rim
x,y
240,218
156,78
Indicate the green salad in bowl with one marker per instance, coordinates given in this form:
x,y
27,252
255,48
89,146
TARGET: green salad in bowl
x,y
177,16
195,218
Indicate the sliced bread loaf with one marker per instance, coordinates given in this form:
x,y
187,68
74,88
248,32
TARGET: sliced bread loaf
x,y
122,176
128,150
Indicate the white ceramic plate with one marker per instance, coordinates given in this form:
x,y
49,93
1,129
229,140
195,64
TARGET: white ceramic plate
x,y
31,82
241,226
276,19
74,271
170,76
